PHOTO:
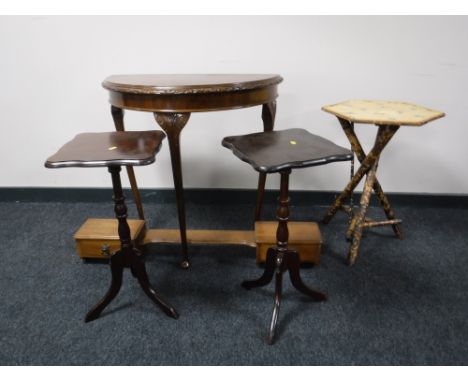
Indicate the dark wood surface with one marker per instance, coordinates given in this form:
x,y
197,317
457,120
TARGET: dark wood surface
x,y
281,259
136,148
172,97
127,257
118,117
285,149
188,83
191,93
268,117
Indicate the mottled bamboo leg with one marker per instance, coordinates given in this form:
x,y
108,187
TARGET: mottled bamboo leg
x,y
268,117
118,117
172,124
384,134
360,216
387,208
351,226
348,128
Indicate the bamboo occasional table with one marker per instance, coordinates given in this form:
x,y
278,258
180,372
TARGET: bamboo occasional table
x,y
172,98
388,116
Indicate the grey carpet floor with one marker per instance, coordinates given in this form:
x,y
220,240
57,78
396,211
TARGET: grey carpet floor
x,y
403,303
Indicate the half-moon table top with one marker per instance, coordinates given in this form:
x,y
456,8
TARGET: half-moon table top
x,y
383,112
188,83
276,151
186,93
118,148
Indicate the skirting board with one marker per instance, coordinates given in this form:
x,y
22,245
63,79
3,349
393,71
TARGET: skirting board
x,y
222,196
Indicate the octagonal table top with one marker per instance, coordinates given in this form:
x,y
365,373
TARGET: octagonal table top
x,y
383,112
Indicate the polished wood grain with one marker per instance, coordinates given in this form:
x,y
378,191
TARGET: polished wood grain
x,y
136,148
281,152
99,238
105,229
304,237
191,93
172,97
285,149
113,150
128,256
172,236
188,83
172,124
268,117
299,232
280,259
118,117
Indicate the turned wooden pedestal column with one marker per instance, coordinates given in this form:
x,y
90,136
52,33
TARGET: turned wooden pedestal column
x,y
113,150
281,259
281,152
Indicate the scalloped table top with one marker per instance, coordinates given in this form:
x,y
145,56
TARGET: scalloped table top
x,y
116,148
188,83
383,112
280,150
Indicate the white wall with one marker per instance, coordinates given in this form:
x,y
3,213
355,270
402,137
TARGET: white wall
x,y
51,69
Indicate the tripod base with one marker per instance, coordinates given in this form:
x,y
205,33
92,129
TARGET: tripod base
x,y
278,262
134,260
127,257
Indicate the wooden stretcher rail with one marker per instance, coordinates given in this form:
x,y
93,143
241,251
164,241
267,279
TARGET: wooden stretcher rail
x,y
172,236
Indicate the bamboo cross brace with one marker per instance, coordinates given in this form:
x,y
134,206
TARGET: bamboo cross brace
x,y
369,224
384,134
348,128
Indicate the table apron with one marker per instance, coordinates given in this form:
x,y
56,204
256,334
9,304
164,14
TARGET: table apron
x,y
193,102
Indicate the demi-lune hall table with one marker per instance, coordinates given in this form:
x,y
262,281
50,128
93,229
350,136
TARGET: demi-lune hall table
x,y
172,98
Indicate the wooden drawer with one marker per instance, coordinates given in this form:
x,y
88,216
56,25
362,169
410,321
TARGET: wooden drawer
x,y
304,237
95,234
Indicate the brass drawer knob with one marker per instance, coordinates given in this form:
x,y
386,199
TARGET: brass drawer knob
x,y
105,250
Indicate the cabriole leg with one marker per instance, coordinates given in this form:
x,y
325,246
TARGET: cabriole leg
x,y
172,124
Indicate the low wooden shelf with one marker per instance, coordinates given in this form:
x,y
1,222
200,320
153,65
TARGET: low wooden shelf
x,y
201,236
304,237
95,234
98,238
